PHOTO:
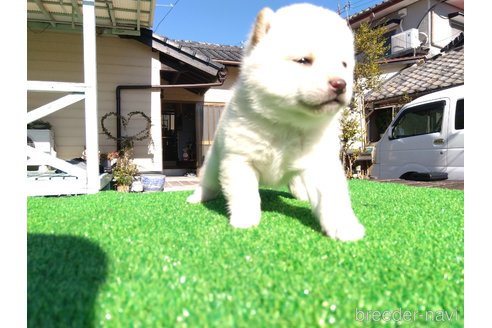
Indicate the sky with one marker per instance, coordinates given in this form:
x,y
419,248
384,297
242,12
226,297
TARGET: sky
x,y
226,21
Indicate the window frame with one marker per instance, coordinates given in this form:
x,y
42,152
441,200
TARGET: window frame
x,y
457,109
439,104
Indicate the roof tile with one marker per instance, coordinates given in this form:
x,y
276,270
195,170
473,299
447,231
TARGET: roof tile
x,y
443,70
216,52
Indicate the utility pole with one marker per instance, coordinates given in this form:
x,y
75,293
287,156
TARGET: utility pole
x,y
346,7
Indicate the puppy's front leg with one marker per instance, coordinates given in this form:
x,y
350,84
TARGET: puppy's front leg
x,y
297,188
209,186
330,201
239,182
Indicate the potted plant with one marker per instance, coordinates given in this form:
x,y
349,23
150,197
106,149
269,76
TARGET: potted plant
x,y
125,170
108,161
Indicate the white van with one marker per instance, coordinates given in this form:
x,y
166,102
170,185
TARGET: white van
x,y
425,141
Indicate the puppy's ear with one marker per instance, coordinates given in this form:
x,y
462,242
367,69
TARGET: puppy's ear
x,y
260,28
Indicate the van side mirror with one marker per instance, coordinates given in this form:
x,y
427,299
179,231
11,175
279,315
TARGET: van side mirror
x,y
396,132
392,135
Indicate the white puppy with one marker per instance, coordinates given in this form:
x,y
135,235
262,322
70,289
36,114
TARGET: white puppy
x,y
281,125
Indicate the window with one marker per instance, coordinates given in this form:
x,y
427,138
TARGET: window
x,y
378,122
387,41
168,123
419,120
459,118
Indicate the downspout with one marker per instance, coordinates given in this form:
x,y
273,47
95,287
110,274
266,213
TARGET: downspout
x,y
119,88
429,23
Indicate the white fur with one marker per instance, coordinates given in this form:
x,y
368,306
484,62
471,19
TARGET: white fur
x,y
281,126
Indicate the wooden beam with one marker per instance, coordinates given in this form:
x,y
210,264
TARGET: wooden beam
x,y
53,86
45,186
90,80
53,106
109,5
45,12
75,6
41,157
75,12
55,187
62,6
138,15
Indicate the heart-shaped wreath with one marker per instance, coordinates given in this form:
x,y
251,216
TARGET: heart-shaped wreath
x,y
143,134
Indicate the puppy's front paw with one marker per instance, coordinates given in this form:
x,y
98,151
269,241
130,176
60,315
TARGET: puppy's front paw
x,y
298,189
349,230
245,220
196,197
201,194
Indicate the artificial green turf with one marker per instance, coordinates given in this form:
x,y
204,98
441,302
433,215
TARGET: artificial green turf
x,y
152,260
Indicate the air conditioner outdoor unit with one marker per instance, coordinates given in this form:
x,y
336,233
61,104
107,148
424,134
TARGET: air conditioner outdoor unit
x,y
405,40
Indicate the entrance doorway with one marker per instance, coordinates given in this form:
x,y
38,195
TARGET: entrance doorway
x,y
379,120
179,137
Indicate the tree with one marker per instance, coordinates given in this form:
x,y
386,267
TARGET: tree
x,y
370,48
351,134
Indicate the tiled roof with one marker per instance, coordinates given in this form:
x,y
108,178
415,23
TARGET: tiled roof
x,y
216,52
369,9
457,42
175,49
441,71
378,10
173,55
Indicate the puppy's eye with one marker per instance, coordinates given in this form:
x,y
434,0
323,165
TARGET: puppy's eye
x,y
344,64
304,61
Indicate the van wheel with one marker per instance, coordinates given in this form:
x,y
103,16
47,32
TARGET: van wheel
x,y
427,176
408,176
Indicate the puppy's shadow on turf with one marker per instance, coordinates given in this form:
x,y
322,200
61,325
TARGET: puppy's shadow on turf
x,y
272,201
64,274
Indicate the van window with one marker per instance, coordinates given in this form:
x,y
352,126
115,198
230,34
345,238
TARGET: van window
x,y
459,118
419,120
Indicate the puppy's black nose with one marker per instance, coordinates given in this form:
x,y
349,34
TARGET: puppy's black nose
x,y
338,85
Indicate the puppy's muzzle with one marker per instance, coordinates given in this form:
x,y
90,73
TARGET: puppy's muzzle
x,y
338,85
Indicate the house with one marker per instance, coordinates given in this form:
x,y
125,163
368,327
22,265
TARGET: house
x,y
62,71
211,102
92,64
444,70
417,31
117,68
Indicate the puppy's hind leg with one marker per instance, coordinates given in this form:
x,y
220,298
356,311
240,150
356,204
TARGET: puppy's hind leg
x,y
209,186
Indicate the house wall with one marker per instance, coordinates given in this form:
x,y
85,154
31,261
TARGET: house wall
x,y
222,94
215,100
430,17
442,31
416,17
58,56
180,95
